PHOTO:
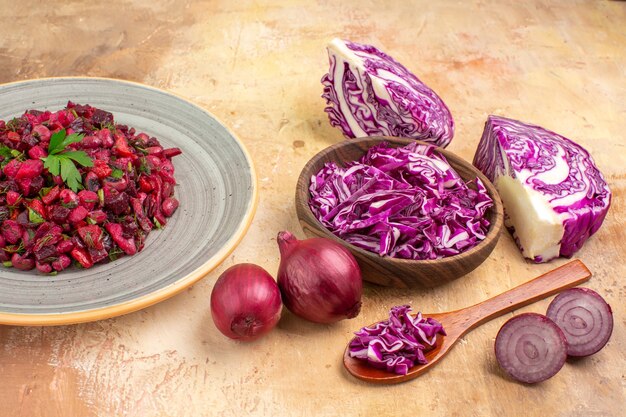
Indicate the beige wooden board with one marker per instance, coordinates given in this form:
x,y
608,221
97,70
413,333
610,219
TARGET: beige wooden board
x,y
256,65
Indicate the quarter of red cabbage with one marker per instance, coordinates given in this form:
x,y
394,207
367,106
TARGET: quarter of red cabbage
x,y
553,194
396,344
405,202
369,93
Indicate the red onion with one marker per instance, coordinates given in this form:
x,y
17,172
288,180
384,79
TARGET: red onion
x,y
531,348
585,318
245,302
319,279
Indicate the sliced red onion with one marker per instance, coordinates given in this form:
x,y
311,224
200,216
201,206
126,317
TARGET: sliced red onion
x,y
396,344
531,348
585,318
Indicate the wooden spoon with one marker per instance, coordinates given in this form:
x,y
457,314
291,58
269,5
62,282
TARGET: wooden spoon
x,y
458,323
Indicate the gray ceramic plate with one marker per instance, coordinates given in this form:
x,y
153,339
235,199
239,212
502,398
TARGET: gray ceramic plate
x,y
216,188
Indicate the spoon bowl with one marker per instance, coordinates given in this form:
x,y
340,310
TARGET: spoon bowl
x,y
459,322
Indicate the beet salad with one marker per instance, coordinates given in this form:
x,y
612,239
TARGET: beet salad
x,y
77,188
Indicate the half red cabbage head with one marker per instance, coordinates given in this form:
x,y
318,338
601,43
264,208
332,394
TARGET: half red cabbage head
x,y
553,193
369,93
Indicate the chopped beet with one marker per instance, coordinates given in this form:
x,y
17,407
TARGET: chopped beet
x,y
127,192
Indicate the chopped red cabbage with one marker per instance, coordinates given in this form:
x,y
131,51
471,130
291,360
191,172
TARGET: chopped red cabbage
x,y
405,202
396,344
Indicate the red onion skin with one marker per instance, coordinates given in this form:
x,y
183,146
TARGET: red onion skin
x,y
245,302
319,279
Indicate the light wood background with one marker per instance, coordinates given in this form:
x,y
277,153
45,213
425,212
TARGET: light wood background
x,y
256,65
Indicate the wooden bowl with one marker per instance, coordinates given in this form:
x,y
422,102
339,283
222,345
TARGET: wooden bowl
x,y
387,271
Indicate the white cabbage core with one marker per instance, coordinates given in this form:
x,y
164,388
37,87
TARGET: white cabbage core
x,y
538,228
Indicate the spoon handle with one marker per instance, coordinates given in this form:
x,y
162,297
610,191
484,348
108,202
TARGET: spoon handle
x,y
552,282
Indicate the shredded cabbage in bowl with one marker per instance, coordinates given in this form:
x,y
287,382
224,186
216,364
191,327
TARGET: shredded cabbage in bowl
x,y
405,202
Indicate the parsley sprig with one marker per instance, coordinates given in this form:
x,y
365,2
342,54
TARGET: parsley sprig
x,y
62,162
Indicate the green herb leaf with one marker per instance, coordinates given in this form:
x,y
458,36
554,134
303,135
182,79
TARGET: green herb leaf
x,y
7,264
55,141
78,156
73,138
117,173
5,151
53,164
70,174
61,162
34,217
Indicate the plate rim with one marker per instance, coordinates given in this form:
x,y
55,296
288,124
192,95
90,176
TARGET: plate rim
x,y
147,300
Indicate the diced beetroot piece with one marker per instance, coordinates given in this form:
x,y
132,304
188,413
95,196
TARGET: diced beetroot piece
x,y
27,239
11,231
106,137
102,155
65,246
24,184
58,180
122,148
13,198
36,185
14,137
92,183
119,184
91,142
38,207
171,152
51,196
97,216
42,132
11,169
37,152
43,268
154,162
122,163
3,242
101,117
155,150
58,214
97,255
168,189
116,232
47,253
22,218
158,216
22,263
78,214
101,169
116,202
87,199
4,256
30,169
82,256
92,236
167,177
142,139
62,263
144,184
68,198
169,206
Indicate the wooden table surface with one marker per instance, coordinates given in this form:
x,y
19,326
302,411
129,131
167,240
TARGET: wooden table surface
x,y
257,66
